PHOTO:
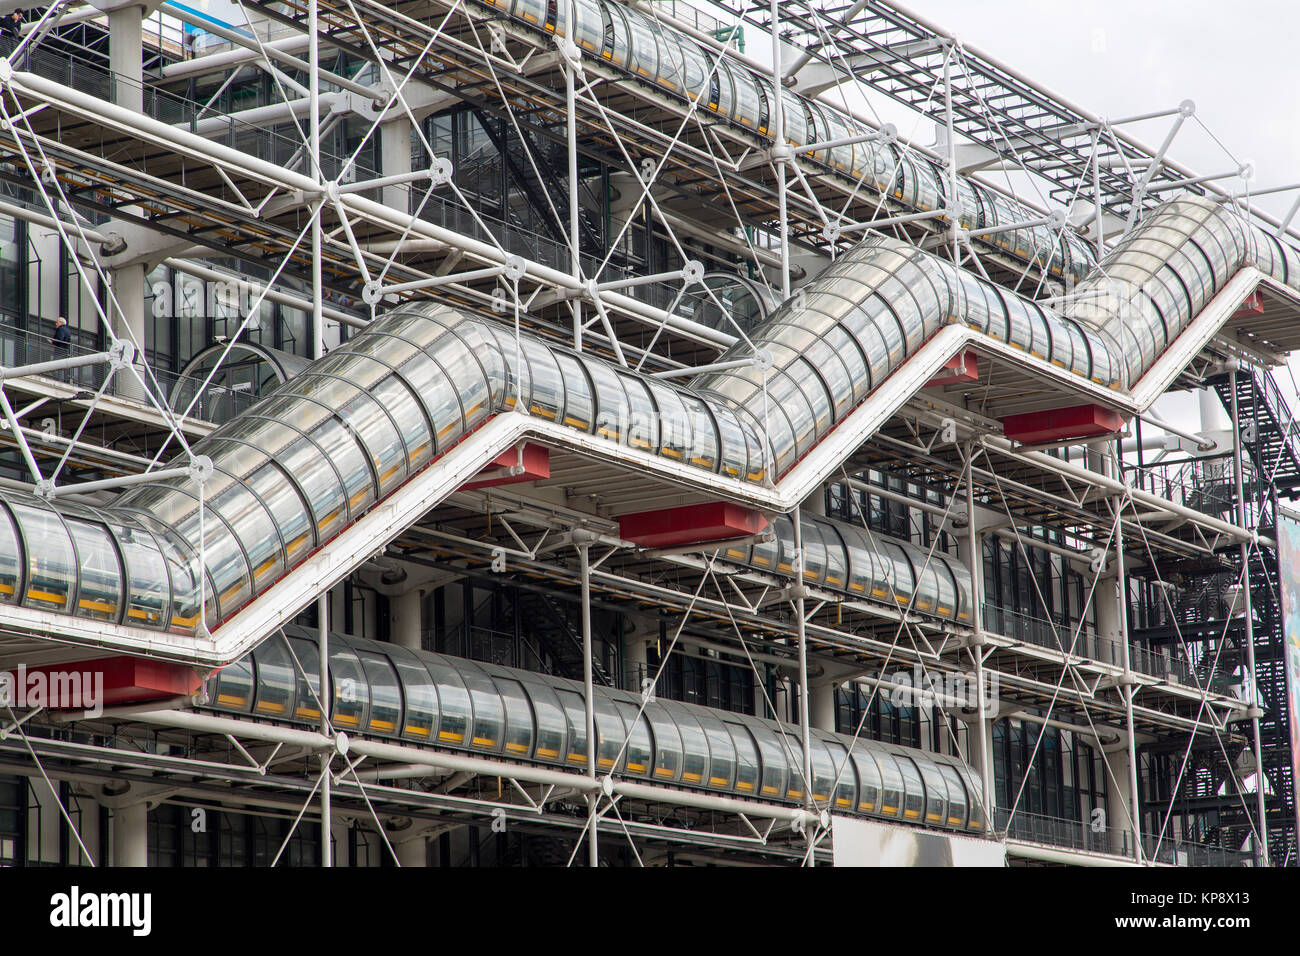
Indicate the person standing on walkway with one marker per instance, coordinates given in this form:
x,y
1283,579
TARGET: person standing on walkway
x,y
61,344
62,338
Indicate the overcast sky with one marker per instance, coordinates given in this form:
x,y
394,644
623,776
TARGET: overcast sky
x,y
1237,61
1116,58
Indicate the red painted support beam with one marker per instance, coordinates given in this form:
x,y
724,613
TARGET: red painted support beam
x,y
1253,305
1062,424
91,685
690,524
514,466
960,368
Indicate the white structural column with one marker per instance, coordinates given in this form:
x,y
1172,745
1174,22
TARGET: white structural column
x,y
129,293
583,540
131,835
407,619
572,61
395,155
799,592
970,551
822,706
318,350
780,151
126,37
1119,794
413,852
1112,625
125,45
636,651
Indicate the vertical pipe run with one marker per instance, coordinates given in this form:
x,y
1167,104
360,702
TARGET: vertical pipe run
x,y
952,150
589,692
975,561
1121,597
313,149
1097,222
1261,848
318,350
805,724
570,51
778,134
326,694
986,771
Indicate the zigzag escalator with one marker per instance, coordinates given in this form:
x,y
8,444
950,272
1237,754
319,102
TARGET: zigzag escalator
x,y
314,479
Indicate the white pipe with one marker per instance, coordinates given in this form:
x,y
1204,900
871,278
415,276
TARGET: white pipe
x,y
54,365
283,298
240,39
207,151
269,115
1201,442
220,62
41,219
1031,851
1114,486
121,481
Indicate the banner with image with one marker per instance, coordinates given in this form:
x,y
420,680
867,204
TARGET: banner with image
x,y
1288,546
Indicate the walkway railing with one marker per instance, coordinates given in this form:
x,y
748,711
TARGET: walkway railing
x,y
216,404
1061,635
1085,836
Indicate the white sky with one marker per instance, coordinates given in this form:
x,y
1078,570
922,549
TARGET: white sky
x,y
1237,60
1117,58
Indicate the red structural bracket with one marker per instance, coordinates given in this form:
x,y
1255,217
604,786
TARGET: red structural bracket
x,y
963,367
87,685
690,524
513,466
1060,424
1253,305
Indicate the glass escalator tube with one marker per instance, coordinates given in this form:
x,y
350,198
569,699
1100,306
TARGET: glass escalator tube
x,y
643,45
433,700
663,56
422,377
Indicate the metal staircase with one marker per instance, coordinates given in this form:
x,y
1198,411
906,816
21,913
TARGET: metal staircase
x,y
545,619
1270,438
1268,420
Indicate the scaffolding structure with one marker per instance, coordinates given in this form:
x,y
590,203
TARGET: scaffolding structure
x,y
307,168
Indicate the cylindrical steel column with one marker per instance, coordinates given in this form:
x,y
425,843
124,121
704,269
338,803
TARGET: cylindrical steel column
x,y
326,694
1126,688
805,718
406,619
589,691
778,135
571,135
131,835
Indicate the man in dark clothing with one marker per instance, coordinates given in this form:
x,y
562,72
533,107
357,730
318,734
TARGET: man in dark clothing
x,y
62,339
61,344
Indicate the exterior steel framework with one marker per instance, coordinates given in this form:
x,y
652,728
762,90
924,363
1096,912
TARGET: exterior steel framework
x,y
620,195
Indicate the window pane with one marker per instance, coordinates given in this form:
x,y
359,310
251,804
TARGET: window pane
x,y
51,564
